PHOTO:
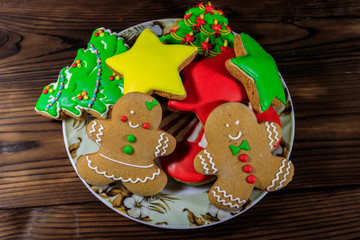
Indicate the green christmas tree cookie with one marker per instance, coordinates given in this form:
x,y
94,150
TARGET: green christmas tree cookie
x,y
203,27
88,85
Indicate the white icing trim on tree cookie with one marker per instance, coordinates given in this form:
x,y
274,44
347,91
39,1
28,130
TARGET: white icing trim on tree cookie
x,y
127,164
98,140
225,195
278,175
160,144
120,178
205,164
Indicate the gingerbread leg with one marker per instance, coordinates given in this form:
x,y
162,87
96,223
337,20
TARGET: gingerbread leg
x,y
281,175
151,186
90,173
229,196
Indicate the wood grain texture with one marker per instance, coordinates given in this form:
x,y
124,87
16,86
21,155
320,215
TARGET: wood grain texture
x,y
317,47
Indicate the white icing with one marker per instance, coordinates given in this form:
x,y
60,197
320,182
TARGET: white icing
x,y
158,151
237,122
98,140
68,77
235,138
127,164
214,169
85,63
195,133
132,112
232,199
120,178
105,45
133,126
203,143
277,178
93,127
270,137
287,173
227,125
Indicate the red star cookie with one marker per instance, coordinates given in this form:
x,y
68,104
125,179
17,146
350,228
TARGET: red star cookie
x,y
209,84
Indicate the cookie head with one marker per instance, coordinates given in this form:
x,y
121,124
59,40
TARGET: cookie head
x,y
138,110
230,122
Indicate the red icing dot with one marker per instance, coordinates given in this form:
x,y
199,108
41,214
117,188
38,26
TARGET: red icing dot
x,y
74,65
111,78
123,118
243,157
146,125
45,92
80,97
251,179
96,34
247,168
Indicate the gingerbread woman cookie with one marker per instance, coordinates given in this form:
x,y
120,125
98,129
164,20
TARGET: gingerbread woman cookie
x,y
240,155
129,142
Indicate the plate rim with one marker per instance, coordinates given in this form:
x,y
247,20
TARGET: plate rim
x,y
260,197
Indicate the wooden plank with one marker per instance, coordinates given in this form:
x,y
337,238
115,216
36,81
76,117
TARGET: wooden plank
x,y
304,214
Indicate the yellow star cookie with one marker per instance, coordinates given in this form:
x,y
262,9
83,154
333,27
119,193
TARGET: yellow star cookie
x,y
153,67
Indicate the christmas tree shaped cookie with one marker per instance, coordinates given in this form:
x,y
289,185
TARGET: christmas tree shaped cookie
x,y
204,27
257,71
88,85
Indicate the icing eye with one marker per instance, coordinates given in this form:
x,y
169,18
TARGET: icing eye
x,y
123,118
146,125
132,112
227,125
237,122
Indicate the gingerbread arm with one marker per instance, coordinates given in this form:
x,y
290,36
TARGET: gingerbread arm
x,y
165,144
204,163
95,130
273,133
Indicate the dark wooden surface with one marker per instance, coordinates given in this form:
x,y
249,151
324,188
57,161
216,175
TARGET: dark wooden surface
x,y
317,47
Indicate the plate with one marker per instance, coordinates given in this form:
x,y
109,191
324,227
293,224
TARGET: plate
x,y
178,206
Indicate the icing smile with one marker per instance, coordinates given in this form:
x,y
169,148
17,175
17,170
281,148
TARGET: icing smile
x,y
235,138
133,126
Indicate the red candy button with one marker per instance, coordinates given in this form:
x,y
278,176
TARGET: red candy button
x,y
251,179
146,125
45,91
111,78
123,118
80,97
243,157
247,168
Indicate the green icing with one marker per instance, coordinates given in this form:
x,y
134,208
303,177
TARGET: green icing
x,y
244,146
188,25
150,105
84,78
260,66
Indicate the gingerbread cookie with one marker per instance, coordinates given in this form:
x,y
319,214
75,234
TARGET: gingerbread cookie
x,y
129,142
153,67
240,155
203,26
257,71
88,85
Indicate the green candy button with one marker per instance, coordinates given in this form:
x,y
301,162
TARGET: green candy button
x,y
128,149
131,138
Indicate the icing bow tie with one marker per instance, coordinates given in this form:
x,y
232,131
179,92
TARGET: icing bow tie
x,y
244,146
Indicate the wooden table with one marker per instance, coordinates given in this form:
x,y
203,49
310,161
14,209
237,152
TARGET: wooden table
x,y
317,47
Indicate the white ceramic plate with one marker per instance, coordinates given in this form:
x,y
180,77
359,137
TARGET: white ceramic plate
x,y
178,206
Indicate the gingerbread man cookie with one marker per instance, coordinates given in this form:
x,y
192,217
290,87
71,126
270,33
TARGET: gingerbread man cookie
x,y
129,142
240,155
